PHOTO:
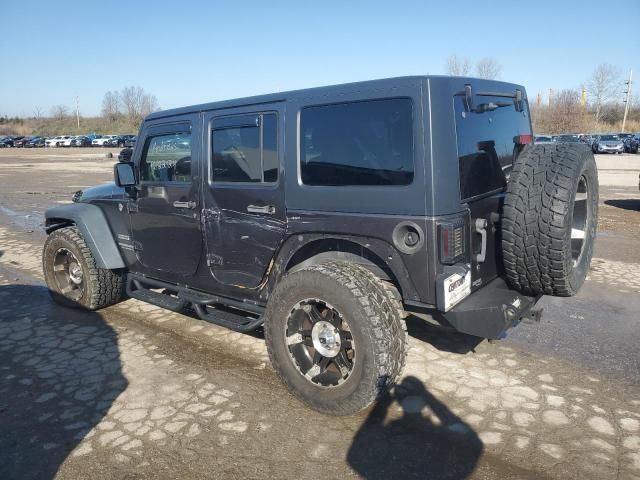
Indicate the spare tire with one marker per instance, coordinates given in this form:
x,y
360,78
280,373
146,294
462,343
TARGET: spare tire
x,y
549,219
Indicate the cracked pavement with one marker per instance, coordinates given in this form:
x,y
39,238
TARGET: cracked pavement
x,y
135,391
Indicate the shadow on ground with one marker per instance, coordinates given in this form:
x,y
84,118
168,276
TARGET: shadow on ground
x,y
625,203
59,374
443,338
427,441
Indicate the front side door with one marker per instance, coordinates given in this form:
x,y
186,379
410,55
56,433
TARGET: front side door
x,y
164,210
244,210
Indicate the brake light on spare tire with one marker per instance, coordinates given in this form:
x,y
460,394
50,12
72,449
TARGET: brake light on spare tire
x,y
452,240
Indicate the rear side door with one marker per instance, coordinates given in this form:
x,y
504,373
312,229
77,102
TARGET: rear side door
x,y
244,210
164,209
492,128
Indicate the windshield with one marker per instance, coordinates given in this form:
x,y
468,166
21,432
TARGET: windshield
x,y
543,139
609,137
568,139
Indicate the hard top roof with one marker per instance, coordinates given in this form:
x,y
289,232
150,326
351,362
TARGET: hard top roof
x,y
317,92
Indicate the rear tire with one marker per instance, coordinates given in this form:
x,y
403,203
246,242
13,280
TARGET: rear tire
x,y
372,334
550,219
72,276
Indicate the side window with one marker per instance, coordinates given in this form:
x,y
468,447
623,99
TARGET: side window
x,y
358,143
244,152
166,158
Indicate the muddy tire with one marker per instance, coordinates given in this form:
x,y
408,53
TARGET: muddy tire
x,y
336,336
72,276
550,219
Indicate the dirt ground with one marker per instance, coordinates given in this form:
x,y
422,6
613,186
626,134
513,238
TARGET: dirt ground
x,y
133,391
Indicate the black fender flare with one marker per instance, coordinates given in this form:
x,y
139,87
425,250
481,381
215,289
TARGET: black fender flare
x,y
94,228
390,267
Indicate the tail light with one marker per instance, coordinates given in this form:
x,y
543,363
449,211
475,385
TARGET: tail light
x,y
524,139
453,242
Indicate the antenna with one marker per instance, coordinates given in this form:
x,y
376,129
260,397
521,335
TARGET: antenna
x,y
627,100
78,111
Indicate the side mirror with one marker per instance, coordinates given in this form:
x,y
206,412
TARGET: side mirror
x,y
124,174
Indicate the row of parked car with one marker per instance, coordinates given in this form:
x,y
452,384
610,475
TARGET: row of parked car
x,y
91,140
600,143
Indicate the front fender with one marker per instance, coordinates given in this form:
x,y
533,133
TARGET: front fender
x,y
94,229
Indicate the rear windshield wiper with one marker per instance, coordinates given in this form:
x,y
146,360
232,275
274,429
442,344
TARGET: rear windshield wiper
x,y
490,107
468,99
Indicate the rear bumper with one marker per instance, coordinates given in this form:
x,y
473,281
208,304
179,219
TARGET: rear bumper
x,y
490,311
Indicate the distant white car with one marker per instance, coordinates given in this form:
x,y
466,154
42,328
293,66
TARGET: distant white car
x,y
68,140
101,140
57,141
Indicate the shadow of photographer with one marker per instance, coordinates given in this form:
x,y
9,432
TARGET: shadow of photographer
x,y
427,441
60,372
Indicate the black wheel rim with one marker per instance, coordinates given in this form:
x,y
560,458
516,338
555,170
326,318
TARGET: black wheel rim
x,y
579,222
320,343
68,274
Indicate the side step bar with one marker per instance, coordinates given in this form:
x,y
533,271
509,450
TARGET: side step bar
x,y
234,315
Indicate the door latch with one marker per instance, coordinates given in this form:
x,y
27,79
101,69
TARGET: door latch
x,y
481,228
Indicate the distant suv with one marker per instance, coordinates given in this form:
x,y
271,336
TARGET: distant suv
x,y
119,141
56,141
607,144
328,216
102,140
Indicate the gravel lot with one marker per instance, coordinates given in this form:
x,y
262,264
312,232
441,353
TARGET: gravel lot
x,y
134,391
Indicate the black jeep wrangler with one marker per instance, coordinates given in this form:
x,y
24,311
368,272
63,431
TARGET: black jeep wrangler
x,y
328,215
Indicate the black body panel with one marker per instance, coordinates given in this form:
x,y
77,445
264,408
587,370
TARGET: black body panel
x,y
235,239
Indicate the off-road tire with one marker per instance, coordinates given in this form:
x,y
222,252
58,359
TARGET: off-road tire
x,y
538,218
376,318
102,287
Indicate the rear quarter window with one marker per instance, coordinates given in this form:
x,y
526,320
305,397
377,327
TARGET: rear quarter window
x,y
487,141
357,143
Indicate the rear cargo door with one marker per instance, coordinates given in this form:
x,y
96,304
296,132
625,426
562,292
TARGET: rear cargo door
x,y
492,127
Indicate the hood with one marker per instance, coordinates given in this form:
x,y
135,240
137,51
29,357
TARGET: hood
x,y
99,192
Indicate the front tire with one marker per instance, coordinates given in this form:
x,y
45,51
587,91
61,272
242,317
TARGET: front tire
x,y
72,276
336,336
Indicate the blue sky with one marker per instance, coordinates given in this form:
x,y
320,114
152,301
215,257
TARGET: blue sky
x,y
187,52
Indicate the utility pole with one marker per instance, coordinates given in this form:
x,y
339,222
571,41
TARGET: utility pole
x,y
583,99
78,112
550,96
627,100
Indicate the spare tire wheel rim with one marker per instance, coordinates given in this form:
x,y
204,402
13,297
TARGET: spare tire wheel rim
x,y
68,274
320,343
580,219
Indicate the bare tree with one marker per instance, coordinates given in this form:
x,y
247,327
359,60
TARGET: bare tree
x,y
458,67
37,113
137,103
131,98
59,112
488,67
565,115
602,86
149,104
111,106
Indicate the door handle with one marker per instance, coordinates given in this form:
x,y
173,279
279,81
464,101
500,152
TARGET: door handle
x,y
189,204
268,209
481,228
